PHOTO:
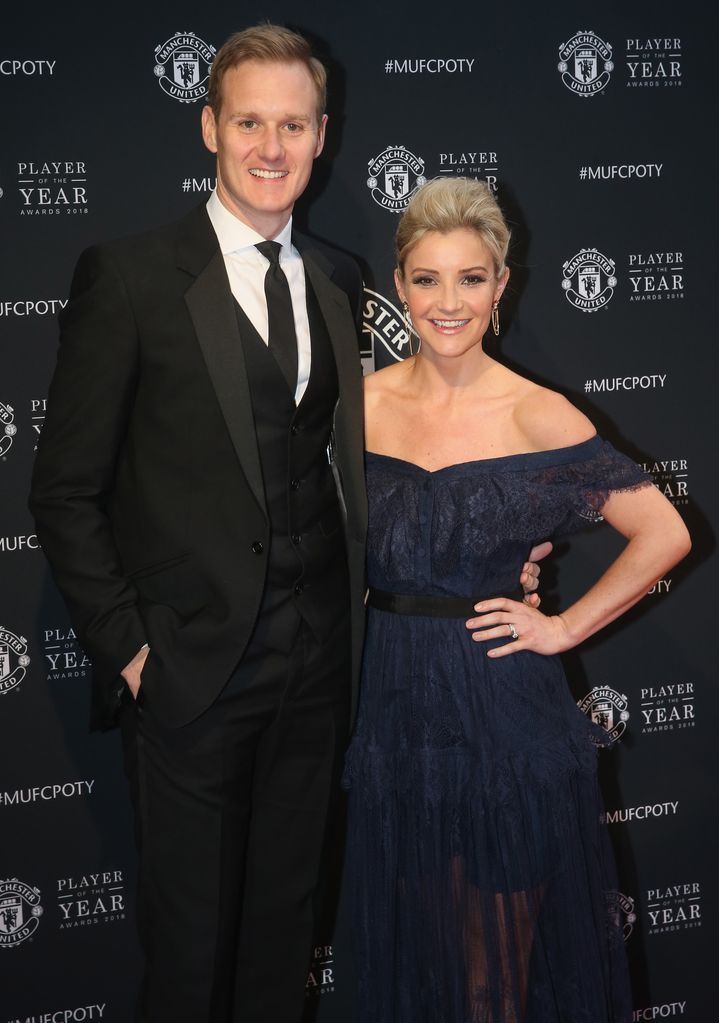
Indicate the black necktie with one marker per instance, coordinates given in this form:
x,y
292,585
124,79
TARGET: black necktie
x,y
282,338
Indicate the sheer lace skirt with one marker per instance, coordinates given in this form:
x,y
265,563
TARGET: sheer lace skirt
x,y
481,871
469,909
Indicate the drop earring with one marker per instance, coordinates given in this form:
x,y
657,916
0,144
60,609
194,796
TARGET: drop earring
x,y
495,319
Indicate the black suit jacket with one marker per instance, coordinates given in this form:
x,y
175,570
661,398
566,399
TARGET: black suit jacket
x,y
147,489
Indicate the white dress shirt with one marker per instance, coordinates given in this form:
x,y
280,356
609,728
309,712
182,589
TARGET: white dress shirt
x,y
246,269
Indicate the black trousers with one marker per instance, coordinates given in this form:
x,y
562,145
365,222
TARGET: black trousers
x,y
231,812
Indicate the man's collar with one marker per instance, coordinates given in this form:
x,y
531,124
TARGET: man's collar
x,y
233,234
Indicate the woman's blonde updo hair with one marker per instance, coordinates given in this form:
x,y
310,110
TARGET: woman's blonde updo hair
x,y
449,204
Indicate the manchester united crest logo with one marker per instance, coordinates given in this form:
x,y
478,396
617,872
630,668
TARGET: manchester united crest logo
x,y
622,912
182,66
8,429
585,63
13,660
20,912
606,708
589,280
393,176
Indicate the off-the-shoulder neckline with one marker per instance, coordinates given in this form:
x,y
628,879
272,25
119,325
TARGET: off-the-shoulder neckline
x,y
551,456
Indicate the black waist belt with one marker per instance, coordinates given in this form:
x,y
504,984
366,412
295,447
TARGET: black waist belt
x,y
429,606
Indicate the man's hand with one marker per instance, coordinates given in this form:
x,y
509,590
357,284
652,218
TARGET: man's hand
x,y
132,672
529,578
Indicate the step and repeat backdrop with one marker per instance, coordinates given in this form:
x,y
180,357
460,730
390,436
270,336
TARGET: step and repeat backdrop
x,y
593,126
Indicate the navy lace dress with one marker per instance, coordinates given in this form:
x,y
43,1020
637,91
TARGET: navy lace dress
x,y
481,872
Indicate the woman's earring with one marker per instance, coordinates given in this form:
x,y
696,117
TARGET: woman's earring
x,y
495,319
410,329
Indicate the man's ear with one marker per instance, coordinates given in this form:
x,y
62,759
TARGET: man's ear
x,y
209,129
321,136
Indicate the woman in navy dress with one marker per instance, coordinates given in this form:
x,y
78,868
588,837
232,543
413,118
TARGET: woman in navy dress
x,y
482,877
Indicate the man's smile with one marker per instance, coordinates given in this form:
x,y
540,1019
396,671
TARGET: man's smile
x,y
260,172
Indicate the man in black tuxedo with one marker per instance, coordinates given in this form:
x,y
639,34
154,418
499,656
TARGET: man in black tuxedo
x,y
209,548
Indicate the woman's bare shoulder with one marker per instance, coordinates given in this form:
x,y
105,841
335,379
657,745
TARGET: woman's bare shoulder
x,y
384,381
548,420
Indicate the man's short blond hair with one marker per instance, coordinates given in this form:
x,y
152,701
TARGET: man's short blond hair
x,y
271,44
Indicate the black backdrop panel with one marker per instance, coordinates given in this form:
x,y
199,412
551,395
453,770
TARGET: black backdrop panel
x,y
597,134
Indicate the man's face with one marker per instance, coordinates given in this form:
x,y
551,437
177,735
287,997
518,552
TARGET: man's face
x,y
266,137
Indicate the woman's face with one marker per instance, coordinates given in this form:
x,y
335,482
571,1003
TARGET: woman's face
x,y
450,287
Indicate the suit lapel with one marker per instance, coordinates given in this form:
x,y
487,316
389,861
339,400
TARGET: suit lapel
x,y
336,312
349,416
211,307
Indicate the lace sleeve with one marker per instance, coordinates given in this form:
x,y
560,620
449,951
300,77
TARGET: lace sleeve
x,y
590,483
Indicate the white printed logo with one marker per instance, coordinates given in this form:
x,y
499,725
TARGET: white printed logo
x,y
383,323
654,62
393,176
432,65
32,307
19,542
38,408
677,907
183,66
20,912
13,660
64,655
27,67
477,164
621,910
589,280
668,707
656,276
642,813
585,63
321,978
91,899
671,477
206,184
9,429
52,188
607,708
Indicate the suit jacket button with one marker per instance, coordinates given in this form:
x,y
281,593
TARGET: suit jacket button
x,y
295,538
258,547
294,430
298,589
294,484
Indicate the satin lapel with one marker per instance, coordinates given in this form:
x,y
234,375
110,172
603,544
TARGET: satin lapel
x,y
350,413
212,309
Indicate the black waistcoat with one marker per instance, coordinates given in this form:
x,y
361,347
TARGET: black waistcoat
x,y
306,573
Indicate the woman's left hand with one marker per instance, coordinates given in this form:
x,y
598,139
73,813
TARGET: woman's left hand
x,y
501,618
